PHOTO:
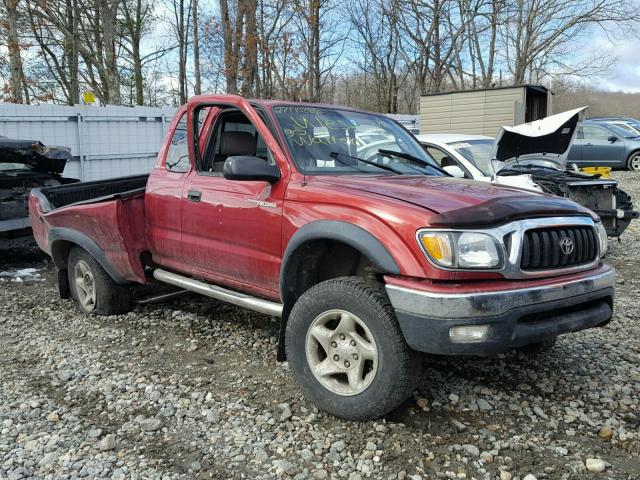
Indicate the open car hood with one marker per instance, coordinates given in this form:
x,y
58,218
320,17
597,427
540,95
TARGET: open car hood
x,y
35,154
545,141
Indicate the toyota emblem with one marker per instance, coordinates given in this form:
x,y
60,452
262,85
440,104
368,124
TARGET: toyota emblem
x,y
566,245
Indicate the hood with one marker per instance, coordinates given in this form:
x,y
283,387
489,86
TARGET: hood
x,y
546,141
35,154
460,202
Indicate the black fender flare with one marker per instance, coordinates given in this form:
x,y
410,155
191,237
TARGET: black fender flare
x,y
348,233
57,238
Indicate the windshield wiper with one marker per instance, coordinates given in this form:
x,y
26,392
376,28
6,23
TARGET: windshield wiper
x,y
336,155
413,158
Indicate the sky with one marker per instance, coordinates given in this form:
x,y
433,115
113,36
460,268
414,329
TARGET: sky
x,y
624,75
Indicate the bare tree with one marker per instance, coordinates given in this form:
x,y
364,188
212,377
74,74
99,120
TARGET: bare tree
x,y
108,11
181,11
536,33
435,32
136,16
272,22
56,32
485,27
197,89
322,41
72,49
375,24
230,46
572,94
240,39
376,54
250,50
97,48
16,79
212,52
312,17
65,36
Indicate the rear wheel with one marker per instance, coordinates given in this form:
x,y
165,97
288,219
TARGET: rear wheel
x,y
633,163
92,289
346,350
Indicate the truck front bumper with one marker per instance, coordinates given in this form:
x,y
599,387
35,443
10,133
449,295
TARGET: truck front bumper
x,y
489,322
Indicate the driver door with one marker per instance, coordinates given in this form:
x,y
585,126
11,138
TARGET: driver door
x,y
597,149
231,229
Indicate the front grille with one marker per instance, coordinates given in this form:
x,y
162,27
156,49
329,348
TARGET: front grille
x,y
542,248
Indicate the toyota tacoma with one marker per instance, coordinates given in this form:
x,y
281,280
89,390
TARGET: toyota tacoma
x,y
367,259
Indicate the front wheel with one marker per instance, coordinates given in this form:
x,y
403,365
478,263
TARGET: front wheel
x,y
91,287
633,163
346,350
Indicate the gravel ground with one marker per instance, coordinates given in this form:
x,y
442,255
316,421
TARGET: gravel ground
x,y
191,389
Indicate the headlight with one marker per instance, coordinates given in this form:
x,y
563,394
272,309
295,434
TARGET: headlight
x,y
604,240
461,249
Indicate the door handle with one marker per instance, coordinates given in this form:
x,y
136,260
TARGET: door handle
x,y
194,196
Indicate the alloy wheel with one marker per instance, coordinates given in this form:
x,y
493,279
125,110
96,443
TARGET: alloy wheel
x,y
341,352
85,285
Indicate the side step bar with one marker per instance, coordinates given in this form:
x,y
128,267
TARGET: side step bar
x,y
219,293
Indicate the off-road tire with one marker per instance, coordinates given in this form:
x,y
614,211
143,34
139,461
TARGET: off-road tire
x,y
395,375
539,347
111,298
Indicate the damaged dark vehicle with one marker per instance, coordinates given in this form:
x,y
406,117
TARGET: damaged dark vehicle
x,y
539,150
26,164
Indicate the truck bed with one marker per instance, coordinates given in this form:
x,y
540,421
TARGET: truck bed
x,y
105,217
52,198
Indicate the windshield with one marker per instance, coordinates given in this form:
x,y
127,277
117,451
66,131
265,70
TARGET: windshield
x,y
628,129
635,124
619,129
477,152
341,142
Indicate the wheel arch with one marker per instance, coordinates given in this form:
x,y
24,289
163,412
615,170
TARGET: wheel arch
x,y
358,251
62,240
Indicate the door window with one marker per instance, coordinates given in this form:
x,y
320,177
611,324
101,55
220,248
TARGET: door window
x,y
445,160
594,132
177,159
440,156
234,135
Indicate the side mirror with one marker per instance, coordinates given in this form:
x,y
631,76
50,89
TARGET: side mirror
x,y
454,171
612,139
245,167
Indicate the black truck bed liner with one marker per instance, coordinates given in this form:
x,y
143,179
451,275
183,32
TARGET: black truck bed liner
x,y
52,198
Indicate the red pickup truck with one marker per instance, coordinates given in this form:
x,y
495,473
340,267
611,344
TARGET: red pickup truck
x,y
340,223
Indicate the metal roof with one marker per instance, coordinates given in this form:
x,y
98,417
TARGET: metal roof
x,y
539,88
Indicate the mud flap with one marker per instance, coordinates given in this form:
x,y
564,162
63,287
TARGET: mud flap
x,y
63,284
282,349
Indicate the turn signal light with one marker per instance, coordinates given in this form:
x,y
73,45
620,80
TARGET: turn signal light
x,y
438,246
